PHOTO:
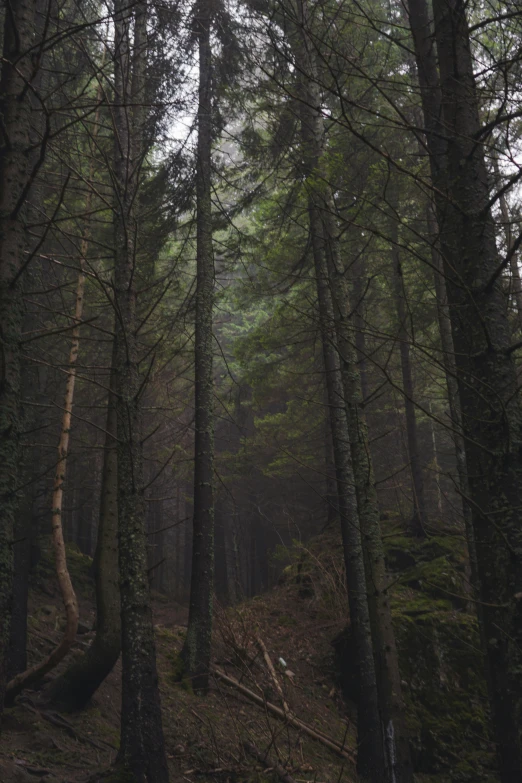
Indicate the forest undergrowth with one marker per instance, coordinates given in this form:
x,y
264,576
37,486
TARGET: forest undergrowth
x,y
287,651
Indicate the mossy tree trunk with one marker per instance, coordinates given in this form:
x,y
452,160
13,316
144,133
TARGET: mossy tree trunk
x,y
488,393
15,163
142,749
197,647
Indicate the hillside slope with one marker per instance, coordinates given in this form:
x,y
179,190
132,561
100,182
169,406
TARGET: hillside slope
x,y
289,648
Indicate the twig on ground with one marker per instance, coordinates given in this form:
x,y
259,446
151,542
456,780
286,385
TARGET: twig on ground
x,y
278,712
260,643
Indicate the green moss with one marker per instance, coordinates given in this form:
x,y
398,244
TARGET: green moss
x,y
79,565
445,691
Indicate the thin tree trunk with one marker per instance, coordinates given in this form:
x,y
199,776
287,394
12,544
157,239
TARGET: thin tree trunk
x,y
197,647
417,523
371,752
360,336
36,672
448,352
392,709
75,687
142,750
436,466
491,415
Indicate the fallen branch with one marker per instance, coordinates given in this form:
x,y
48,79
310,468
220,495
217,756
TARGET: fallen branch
x,y
260,643
265,760
279,713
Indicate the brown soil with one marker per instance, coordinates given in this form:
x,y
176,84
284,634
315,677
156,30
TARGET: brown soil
x,y
205,738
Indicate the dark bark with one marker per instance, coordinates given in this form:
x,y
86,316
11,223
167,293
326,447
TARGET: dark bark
x,y
370,756
491,415
371,753
448,355
359,293
17,661
197,647
15,108
417,522
142,749
391,703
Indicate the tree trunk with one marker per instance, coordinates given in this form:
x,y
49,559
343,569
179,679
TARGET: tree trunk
x,y
36,672
392,710
75,687
197,647
491,415
417,523
142,749
448,354
371,753
15,109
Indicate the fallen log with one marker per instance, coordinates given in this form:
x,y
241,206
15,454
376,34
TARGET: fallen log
x,y
279,713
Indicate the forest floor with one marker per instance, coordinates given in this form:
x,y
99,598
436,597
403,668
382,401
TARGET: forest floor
x,y
272,654
207,739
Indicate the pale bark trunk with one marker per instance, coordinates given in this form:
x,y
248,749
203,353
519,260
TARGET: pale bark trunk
x,y
36,672
73,689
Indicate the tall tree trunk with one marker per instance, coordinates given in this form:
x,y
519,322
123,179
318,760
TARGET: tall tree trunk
x,y
142,749
75,687
359,293
448,355
418,520
15,109
491,415
197,647
392,709
371,752
370,756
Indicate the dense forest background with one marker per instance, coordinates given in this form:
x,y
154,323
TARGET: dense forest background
x,y
260,332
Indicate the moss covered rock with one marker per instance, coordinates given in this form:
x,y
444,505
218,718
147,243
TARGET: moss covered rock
x,y
441,662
